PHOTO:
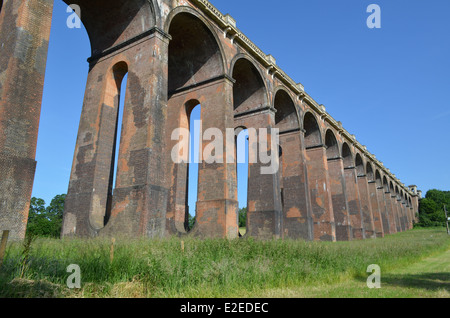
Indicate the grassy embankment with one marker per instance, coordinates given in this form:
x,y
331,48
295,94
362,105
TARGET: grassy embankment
x,y
221,268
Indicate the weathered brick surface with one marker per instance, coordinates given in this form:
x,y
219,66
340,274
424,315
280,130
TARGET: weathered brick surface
x,y
391,213
374,202
177,55
339,199
24,35
264,196
297,221
383,210
354,203
321,201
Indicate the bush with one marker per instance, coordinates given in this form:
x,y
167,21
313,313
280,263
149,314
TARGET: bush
x,y
243,217
46,221
431,208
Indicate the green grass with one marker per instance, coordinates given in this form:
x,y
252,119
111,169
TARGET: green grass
x,y
221,268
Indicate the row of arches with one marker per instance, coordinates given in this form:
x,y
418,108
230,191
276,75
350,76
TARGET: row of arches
x,y
250,98
151,193
175,58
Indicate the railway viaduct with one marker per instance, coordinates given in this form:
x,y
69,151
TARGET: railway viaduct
x,y
178,54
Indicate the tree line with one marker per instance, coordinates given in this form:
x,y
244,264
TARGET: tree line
x,y
431,208
46,221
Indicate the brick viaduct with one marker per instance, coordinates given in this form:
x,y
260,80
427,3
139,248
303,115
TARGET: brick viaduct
x,y
178,54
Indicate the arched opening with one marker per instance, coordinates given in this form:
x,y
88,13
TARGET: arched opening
x,y
313,136
249,94
194,118
242,173
287,122
318,180
124,20
359,164
369,172
194,59
332,145
249,91
115,95
347,156
122,87
194,55
286,116
1,5
62,100
338,188
383,207
378,178
385,184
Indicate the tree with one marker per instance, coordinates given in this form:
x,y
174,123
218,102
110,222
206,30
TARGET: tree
x,y
431,208
191,222
243,217
46,221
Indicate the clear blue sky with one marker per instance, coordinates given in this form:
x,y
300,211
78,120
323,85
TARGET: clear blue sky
x,y
388,86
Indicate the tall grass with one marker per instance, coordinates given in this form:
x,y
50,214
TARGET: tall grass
x,y
202,268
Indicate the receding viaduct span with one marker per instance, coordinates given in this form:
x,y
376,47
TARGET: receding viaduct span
x,y
178,54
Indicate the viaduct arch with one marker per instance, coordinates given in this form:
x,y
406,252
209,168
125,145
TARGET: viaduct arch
x,y
328,186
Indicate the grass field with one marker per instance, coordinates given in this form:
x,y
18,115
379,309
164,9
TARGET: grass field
x,y
413,264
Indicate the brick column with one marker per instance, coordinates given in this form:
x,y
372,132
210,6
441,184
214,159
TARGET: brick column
x,y
140,198
178,204
391,213
321,201
396,212
297,222
411,214
354,203
413,219
403,215
24,35
339,199
376,209
88,201
366,207
383,210
217,204
265,213
407,216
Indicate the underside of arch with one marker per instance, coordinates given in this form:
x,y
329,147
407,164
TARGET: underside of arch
x,y
332,145
313,136
194,54
286,115
111,22
249,91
